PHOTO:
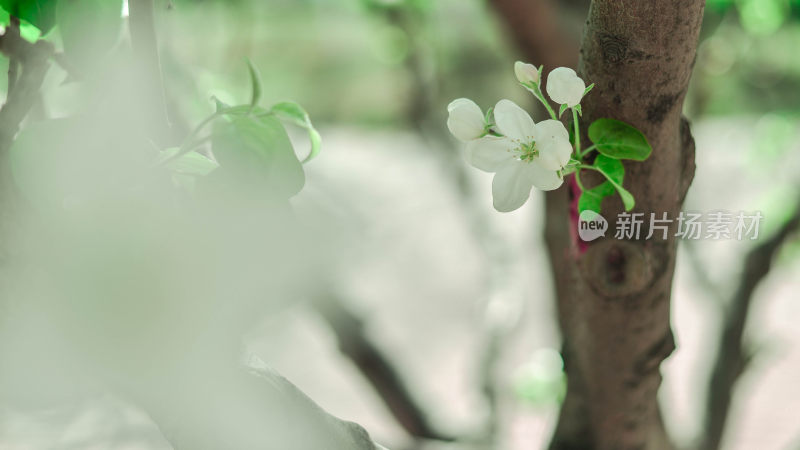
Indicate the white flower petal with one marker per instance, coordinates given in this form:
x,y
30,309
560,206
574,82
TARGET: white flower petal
x,y
553,154
526,73
543,178
564,86
552,129
511,185
466,120
489,152
513,121
552,141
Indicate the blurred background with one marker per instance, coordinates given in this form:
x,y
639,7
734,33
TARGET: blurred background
x,y
456,297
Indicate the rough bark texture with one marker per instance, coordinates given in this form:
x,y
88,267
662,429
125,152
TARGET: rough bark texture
x,y
614,298
640,55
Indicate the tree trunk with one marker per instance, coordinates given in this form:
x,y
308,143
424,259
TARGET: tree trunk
x,y
614,297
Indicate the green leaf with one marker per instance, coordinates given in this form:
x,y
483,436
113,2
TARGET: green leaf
x,y
294,113
243,110
255,151
89,28
592,199
255,81
39,13
614,172
588,89
29,32
191,163
619,140
563,108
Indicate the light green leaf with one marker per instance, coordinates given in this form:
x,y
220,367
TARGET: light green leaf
x,y
562,109
255,81
191,163
29,32
256,151
619,140
89,28
244,110
588,89
614,172
294,113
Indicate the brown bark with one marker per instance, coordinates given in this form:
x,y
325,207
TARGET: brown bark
x,y
640,55
614,298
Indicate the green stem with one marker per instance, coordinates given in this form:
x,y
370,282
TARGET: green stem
x,y
539,96
576,127
578,180
587,150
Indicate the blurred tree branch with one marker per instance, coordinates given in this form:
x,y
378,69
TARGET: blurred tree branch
x,y
732,358
28,64
535,28
148,65
377,369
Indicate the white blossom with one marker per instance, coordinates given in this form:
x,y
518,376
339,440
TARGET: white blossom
x,y
526,73
465,120
527,154
565,87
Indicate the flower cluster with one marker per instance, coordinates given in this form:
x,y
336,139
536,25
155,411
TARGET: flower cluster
x,y
507,142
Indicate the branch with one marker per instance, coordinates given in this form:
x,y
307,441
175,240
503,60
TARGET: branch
x,y
732,357
30,62
535,29
354,344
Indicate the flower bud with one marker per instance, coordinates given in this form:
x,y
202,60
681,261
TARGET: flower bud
x,y
526,73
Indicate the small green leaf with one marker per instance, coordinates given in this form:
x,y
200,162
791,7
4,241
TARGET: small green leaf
x,y
256,151
579,109
592,199
29,32
191,163
255,81
563,108
614,172
617,139
294,113
588,89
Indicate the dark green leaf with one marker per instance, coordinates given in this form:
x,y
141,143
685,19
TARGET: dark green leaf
x,y
619,140
294,113
40,13
256,151
614,172
592,199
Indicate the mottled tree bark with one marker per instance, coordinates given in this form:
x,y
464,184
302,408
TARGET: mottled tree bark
x,y
640,55
614,297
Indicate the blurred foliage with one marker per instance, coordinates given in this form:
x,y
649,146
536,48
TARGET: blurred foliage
x,y
369,61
